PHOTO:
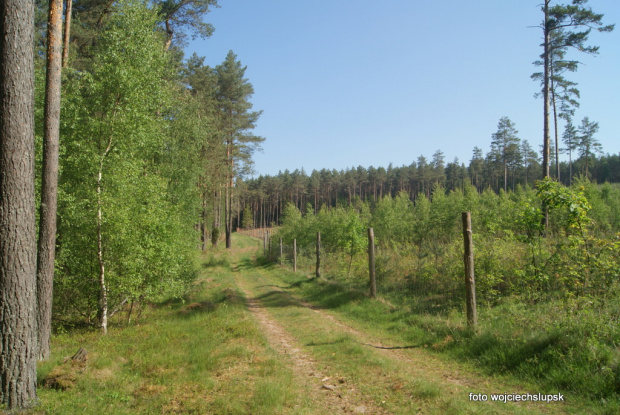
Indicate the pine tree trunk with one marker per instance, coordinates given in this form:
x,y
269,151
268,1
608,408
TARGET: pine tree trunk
x,y
371,263
204,234
318,255
570,167
46,250
546,138
555,131
67,34
169,34
505,175
18,348
229,197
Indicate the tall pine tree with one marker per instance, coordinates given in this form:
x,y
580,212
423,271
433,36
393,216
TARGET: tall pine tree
x,y
18,348
576,22
234,120
587,144
505,145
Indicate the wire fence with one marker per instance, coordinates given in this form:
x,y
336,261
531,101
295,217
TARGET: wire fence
x,y
401,273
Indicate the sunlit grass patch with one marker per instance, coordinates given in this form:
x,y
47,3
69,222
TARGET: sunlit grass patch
x,y
204,354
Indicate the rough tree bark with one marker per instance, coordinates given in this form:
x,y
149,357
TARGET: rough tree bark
x,y
468,260
67,34
318,255
169,34
18,345
46,249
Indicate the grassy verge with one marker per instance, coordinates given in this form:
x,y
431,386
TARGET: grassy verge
x,y
528,344
201,355
398,383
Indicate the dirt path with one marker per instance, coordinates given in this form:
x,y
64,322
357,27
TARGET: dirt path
x,y
445,386
419,364
327,392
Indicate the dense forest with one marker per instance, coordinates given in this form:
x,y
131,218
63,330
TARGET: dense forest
x,y
154,166
265,197
152,145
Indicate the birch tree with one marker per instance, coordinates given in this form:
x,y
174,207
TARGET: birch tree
x,y
113,134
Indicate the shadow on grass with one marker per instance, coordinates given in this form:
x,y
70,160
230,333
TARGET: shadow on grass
x,y
276,298
195,308
330,296
300,283
331,343
339,341
272,286
212,262
323,295
185,307
413,346
245,264
499,355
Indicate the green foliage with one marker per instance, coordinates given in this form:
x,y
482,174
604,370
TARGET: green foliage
x,y
342,229
204,345
566,344
555,195
112,125
393,219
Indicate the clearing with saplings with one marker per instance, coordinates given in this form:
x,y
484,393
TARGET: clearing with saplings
x,y
178,239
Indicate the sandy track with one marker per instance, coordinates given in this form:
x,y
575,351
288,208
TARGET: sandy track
x,y
328,392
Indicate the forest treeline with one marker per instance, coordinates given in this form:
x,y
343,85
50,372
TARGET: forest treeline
x,y
265,197
151,146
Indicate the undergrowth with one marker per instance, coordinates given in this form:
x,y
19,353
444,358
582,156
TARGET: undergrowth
x,y
567,345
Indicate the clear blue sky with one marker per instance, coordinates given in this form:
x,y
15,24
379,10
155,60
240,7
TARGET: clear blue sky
x,y
344,83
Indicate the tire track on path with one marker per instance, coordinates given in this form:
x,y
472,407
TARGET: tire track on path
x,y
415,361
318,382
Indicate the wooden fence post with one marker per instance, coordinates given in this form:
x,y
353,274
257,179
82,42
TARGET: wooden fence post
x,y
318,255
280,251
371,263
470,283
264,243
294,255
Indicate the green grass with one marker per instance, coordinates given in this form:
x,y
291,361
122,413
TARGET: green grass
x,y
386,382
201,355
205,354
568,346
